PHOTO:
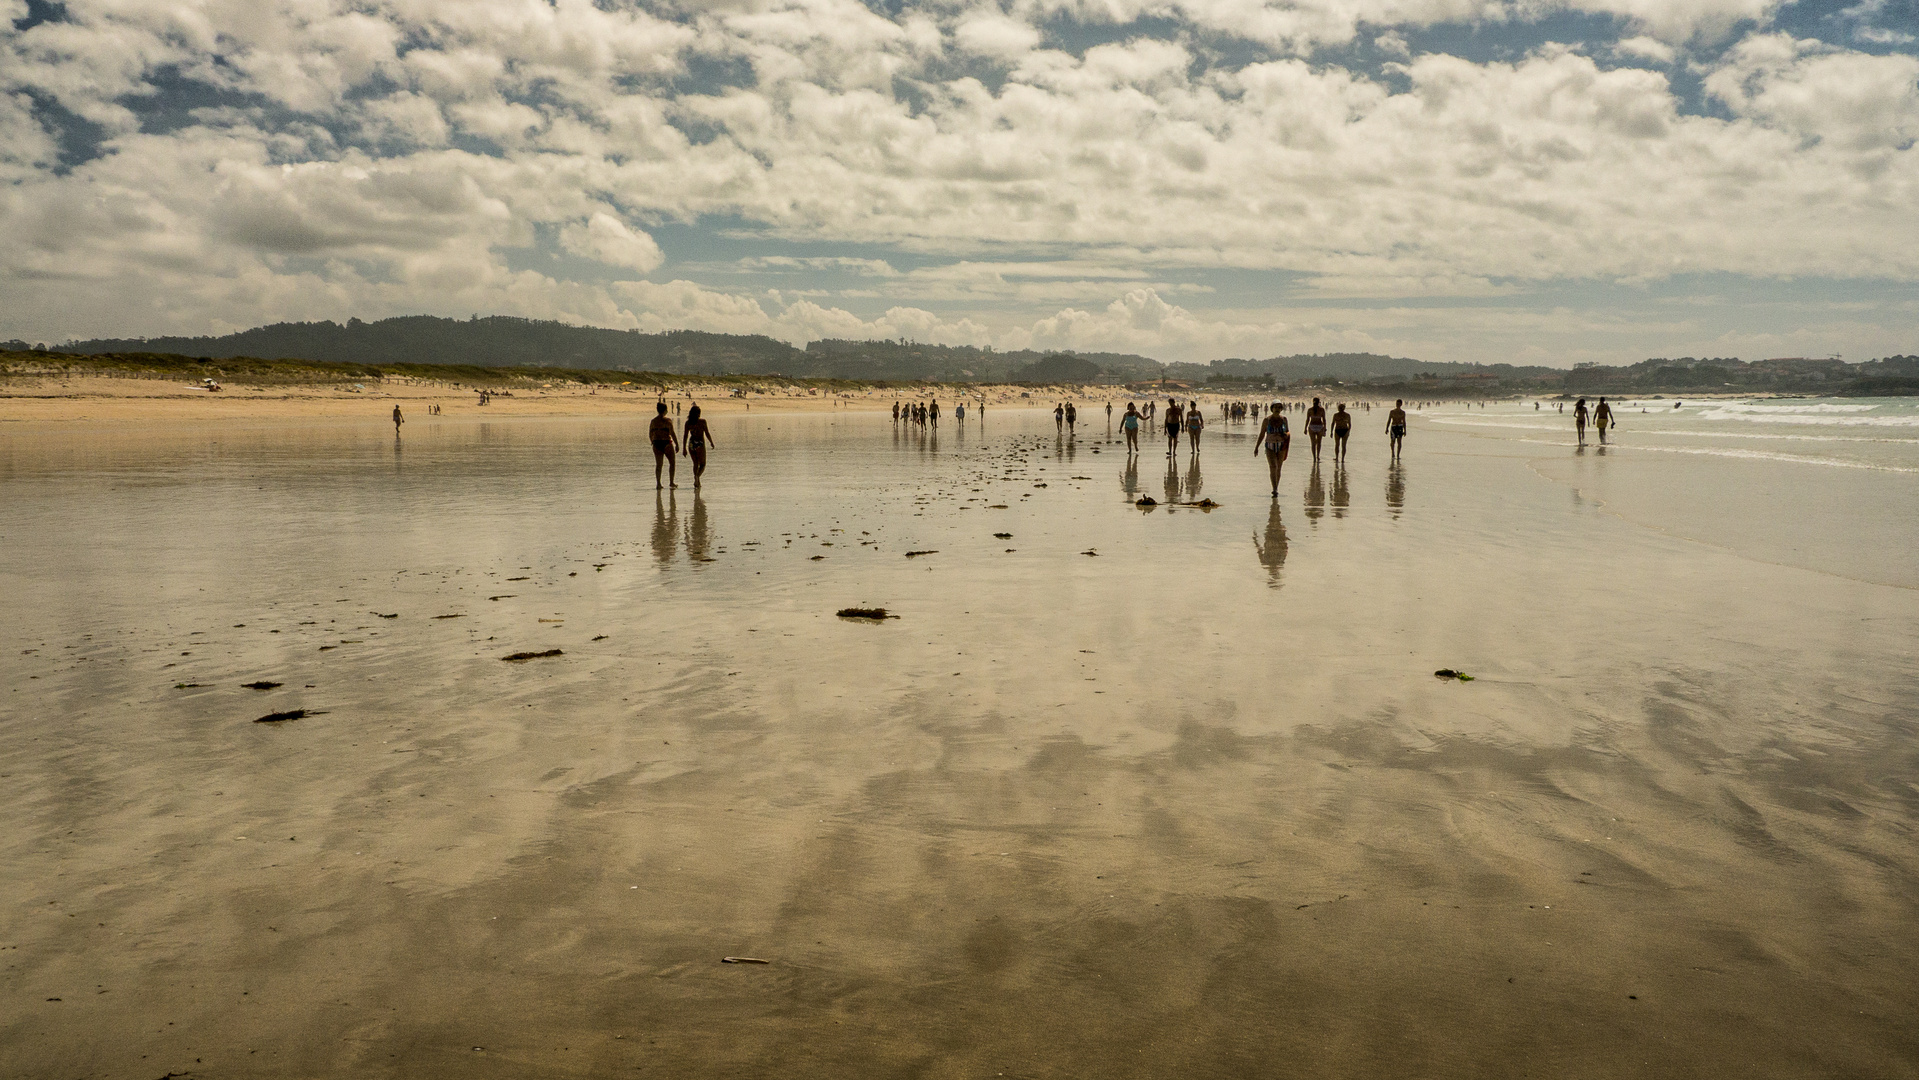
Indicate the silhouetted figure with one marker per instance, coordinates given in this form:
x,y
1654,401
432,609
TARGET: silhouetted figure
x,y
666,447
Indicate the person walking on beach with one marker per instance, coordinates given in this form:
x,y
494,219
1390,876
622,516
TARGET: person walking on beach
x,y
665,447
1129,424
1602,418
1109,416
1396,426
1059,418
1316,426
1579,418
1174,422
1274,439
1195,422
1072,417
896,412
397,421
933,411
698,437
1342,430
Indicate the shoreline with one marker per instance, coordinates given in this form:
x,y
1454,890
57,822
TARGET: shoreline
x,y
124,397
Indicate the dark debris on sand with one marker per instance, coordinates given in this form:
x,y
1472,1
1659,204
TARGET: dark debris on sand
x,y
1449,673
290,714
916,554
519,656
261,685
864,613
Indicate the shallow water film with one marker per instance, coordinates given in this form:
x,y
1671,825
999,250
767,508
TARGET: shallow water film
x,y
1115,790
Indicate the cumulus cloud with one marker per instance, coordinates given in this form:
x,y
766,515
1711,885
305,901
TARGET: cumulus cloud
x,y
395,155
605,238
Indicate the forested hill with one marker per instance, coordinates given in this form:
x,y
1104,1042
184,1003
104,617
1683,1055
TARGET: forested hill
x,y
505,341
497,341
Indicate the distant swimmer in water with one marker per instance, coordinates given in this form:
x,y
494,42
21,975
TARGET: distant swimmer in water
x,y
1174,422
1602,418
1274,438
397,421
1316,426
1342,430
1396,426
665,447
698,438
1130,425
1579,418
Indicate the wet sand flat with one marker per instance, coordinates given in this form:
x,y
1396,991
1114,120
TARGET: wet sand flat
x,y
1123,792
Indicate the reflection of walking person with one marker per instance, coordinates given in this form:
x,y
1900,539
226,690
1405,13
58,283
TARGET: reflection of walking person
x,y
1272,553
1396,425
697,440
665,447
397,421
1273,438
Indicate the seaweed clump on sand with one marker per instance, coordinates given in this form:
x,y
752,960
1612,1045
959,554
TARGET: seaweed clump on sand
x,y
1449,673
276,717
519,656
864,613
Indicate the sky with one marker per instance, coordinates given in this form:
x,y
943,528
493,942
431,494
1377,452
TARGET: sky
x,y
1520,181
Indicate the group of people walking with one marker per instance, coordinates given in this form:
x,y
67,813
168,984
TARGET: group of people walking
x,y
692,440
1600,417
1276,437
1275,432
926,413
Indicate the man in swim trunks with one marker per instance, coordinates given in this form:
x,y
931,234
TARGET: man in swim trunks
x,y
1316,426
397,421
1602,418
1072,417
1396,426
1342,429
1175,420
666,447
1274,439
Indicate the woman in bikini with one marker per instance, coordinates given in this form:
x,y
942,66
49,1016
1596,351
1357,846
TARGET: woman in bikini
x,y
1316,426
1274,438
698,438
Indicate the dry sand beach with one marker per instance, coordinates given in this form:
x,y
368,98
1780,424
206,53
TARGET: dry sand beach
x,y
1121,791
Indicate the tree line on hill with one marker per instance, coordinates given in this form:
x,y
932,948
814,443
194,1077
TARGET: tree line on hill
x,y
507,341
